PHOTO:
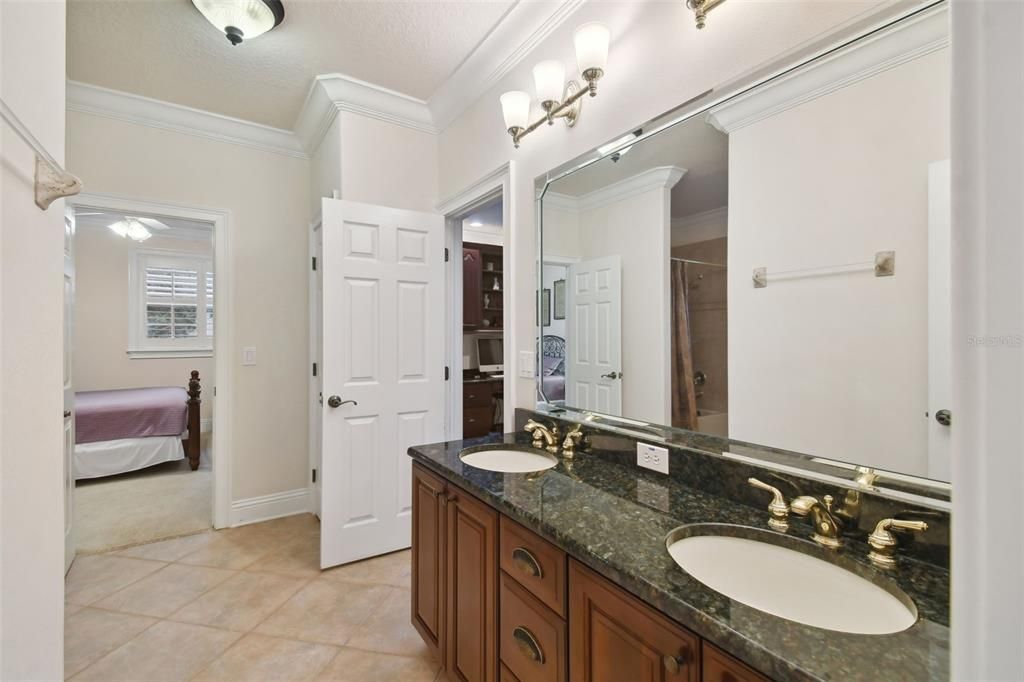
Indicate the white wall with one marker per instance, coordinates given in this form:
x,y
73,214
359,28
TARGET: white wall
x,y
267,196
102,263
31,346
657,61
325,168
837,365
387,164
988,300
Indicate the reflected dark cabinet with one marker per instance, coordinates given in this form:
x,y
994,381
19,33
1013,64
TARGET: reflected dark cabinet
x,y
483,286
472,288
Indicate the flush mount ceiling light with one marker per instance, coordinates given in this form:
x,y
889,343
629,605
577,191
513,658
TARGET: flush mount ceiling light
x,y
241,19
557,98
701,8
131,228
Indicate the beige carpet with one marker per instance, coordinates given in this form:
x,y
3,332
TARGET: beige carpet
x,y
159,502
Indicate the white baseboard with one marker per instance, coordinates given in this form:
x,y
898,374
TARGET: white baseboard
x,y
274,506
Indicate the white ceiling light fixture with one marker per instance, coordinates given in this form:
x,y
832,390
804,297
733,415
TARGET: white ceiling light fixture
x,y
131,228
558,100
241,19
476,223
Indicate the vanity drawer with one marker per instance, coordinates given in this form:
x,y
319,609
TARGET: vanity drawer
x,y
532,638
534,563
477,395
719,666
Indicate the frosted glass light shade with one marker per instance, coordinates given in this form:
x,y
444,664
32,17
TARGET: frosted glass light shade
x,y
591,42
515,107
130,227
549,79
241,19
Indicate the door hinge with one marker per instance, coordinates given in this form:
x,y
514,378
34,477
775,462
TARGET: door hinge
x,y
314,475
314,369
314,262
446,372
214,391
446,254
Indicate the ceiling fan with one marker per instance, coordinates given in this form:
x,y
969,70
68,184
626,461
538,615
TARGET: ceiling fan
x,y
134,227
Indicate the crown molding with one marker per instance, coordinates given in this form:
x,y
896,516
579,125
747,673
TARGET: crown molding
x,y
663,177
701,226
123,106
565,202
334,92
520,31
888,48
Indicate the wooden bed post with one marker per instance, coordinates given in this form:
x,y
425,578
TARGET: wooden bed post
x,y
191,443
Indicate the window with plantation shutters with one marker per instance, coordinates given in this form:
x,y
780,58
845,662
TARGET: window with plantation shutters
x,y
173,303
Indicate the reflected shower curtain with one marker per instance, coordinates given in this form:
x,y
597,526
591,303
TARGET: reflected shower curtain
x,y
684,399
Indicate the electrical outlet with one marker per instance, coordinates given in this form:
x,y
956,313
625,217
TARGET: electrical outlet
x,y
526,368
652,457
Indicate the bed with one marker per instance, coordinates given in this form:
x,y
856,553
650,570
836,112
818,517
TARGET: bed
x,y
552,352
127,429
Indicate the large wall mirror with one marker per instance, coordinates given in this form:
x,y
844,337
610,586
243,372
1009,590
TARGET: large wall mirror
x,y
772,267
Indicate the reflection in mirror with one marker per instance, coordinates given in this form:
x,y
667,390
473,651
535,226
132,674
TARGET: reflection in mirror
x,y
772,270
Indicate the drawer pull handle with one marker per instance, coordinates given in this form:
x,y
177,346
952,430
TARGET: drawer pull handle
x,y
526,562
528,644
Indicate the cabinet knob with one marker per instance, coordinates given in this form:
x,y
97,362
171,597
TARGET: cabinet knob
x,y
527,644
673,664
526,562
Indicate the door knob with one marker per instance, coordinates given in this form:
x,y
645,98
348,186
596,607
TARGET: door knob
x,y
944,417
612,375
336,401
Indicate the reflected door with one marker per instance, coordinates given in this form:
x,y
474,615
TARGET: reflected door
x,y
69,388
593,353
383,371
940,324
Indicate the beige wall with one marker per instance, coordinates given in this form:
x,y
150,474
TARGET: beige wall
x,y
31,346
829,182
657,60
102,262
267,197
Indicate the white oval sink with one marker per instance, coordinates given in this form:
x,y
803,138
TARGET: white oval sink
x,y
508,461
792,585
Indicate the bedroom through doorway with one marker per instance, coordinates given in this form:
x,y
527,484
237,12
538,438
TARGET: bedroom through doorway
x,y
142,371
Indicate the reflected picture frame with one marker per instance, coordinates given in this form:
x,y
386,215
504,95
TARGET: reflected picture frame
x,y
559,309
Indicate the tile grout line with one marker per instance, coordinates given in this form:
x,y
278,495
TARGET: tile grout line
x,y
123,587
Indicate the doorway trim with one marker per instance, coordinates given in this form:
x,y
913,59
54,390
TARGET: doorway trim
x,y
223,337
498,181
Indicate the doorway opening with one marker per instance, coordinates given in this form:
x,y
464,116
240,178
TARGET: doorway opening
x,y
142,373
478,381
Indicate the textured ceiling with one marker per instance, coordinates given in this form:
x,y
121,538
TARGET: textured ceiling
x,y
692,144
166,50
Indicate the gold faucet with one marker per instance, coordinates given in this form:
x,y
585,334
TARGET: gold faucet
x,y
544,437
827,526
573,440
883,542
777,508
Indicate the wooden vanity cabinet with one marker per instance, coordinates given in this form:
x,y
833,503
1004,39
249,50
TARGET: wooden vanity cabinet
x,y
613,636
718,666
454,577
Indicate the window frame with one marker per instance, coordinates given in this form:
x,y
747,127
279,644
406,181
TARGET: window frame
x,y
141,346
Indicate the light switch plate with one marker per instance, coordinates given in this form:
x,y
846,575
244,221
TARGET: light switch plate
x,y
526,368
652,457
249,356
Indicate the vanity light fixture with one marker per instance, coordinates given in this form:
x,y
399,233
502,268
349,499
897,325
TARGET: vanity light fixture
x,y
241,19
558,98
701,8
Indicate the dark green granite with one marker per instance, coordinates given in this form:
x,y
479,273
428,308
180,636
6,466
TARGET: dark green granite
x,y
615,517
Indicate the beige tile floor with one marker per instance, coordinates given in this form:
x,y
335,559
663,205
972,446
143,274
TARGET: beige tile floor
x,y
242,604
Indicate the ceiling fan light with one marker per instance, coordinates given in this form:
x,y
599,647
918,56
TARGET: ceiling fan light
x,y
241,19
138,231
120,228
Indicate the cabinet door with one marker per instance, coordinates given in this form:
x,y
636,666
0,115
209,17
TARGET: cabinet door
x,y
428,559
615,637
472,288
719,666
472,596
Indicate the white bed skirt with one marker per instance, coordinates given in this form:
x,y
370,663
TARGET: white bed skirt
x,y
109,457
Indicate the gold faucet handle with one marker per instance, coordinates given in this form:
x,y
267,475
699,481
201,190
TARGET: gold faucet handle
x,y
883,542
778,508
575,438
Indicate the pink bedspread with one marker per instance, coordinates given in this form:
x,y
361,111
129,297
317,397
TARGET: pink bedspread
x,y
129,413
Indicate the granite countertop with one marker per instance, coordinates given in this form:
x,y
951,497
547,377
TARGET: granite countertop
x,y
614,517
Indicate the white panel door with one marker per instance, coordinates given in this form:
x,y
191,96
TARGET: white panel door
x,y
69,389
940,325
383,361
593,351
